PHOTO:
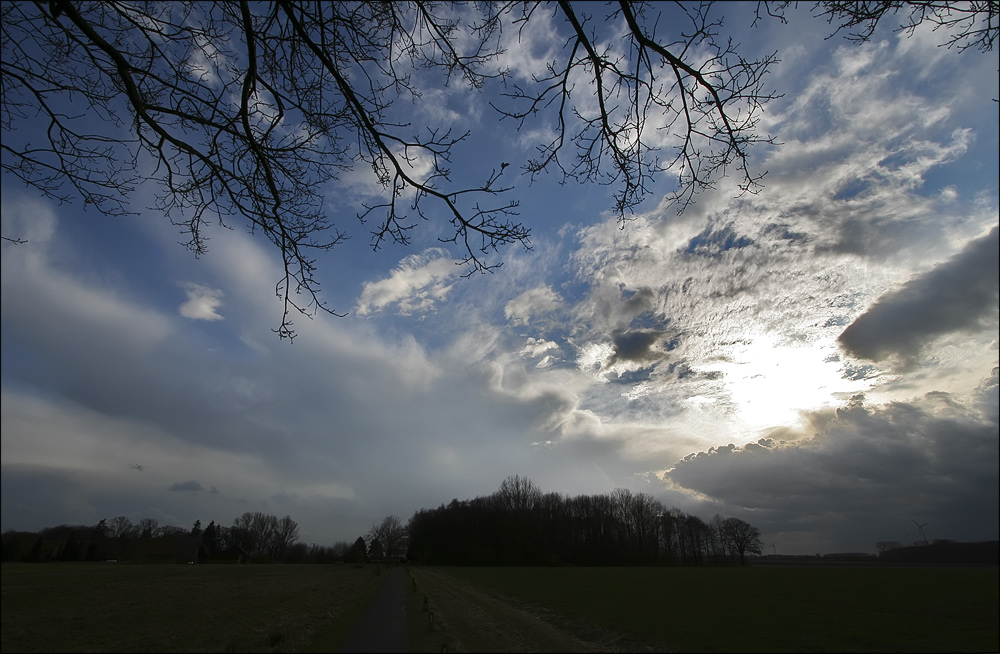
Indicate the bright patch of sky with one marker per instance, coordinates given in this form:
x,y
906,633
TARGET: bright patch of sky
x,y
819,359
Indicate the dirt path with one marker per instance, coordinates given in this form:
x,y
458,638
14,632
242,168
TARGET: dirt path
x,y
477,621
382,627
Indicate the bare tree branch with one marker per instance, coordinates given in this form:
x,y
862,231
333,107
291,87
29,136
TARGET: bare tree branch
x,y
970,24
246,113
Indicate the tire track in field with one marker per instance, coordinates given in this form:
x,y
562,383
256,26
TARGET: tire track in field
x,y
481,621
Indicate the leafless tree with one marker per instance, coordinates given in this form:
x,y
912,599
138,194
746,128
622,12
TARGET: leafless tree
x,y
637,520
149,528
390,535
518,494
718,527
255,531
246,113
121,527
964,25
741,538
283,536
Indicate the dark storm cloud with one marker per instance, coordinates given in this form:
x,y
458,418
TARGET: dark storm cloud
x,y
635,346
956,295
187,486
865,472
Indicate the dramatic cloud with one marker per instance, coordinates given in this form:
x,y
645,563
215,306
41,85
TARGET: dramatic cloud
x,y
863,471
754,330
960,294
638,346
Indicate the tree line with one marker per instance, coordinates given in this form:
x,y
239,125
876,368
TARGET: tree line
x,y
520,525
256,536
516,525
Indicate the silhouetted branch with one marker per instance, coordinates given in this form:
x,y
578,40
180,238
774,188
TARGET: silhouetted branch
x,y
249,112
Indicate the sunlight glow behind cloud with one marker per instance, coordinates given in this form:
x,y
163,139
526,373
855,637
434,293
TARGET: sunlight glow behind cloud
x,y
738,358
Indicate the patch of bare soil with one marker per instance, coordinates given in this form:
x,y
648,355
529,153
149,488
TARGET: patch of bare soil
x,y
478,619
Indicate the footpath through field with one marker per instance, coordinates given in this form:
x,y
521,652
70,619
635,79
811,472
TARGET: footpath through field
x,y
382,627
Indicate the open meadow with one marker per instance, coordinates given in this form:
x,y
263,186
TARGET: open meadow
x,y
284,608
761,609
96,607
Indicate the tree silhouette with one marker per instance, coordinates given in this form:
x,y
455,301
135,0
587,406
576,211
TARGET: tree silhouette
x,y
246,113
389,535
148,528
741,538
121,527
619,528
211,538
358,552
965,24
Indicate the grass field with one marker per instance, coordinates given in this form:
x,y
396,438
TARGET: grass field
x,y
770,609
83,607
285,608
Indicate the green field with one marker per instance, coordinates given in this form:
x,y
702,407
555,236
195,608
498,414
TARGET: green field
x,y
284,608
770,609
82,607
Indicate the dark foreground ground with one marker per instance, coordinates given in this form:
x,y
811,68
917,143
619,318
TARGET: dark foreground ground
x,y
382,627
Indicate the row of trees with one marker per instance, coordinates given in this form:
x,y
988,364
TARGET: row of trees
x,y
516,525
520,525
262,537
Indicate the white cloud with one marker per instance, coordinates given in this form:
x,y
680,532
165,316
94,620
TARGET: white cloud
x,y
202,302
730,301
28,220
45,298
528,49
415,286
204,61
677,334
533,302
535,347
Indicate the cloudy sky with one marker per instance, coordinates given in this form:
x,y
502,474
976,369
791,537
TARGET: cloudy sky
x,y
819,359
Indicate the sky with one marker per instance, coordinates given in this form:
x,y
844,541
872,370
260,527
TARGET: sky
x,y
819,359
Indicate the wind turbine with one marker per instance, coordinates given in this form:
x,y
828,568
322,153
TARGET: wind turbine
x,y
921,528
